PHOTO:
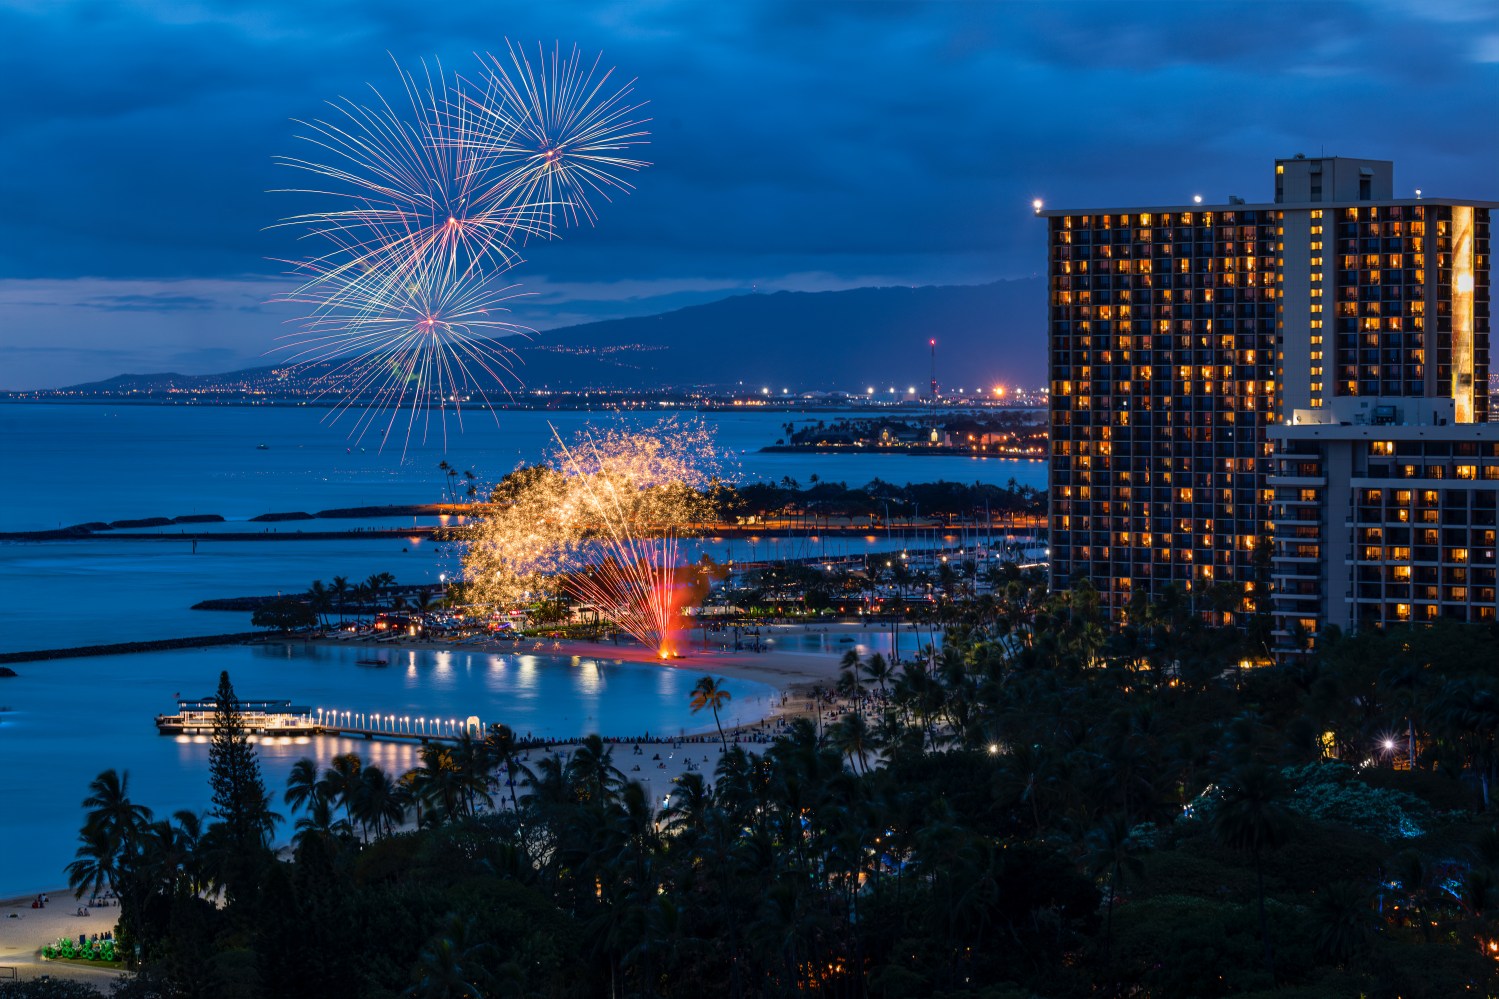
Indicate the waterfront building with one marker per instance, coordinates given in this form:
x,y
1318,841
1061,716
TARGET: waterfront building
x,y
1203,357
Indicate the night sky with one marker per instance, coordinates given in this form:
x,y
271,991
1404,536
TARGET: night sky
x,y
803,145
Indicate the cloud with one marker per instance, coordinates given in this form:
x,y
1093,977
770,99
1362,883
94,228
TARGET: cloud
x,y
890,141
147,303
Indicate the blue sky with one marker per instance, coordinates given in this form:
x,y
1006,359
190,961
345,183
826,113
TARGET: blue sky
x,y
809,144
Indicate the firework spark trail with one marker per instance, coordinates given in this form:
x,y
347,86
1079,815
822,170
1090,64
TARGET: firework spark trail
x,y
430,336
430,179
566,134
430,200
602,522
637,577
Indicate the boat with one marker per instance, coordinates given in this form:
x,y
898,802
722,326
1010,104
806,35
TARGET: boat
x,y
371,662
262,447
196,717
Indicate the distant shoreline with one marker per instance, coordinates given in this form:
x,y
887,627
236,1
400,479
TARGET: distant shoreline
x,y
632,403
914,451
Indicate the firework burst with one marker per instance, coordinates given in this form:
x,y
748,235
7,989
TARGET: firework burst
x,y
396,347
567,135
602,522
410,180
421,206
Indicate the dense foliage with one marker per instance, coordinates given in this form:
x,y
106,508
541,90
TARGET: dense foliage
x,y
1041,807
873,503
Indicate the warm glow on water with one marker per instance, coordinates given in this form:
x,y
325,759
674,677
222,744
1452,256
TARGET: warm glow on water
x,y
69,719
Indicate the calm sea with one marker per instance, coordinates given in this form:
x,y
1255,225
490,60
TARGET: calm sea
x,y
68,464
68,719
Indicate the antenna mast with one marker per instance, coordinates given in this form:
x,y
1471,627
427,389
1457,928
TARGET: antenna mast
x,y
933,343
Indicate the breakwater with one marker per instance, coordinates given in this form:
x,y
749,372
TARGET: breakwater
x,y
148,527
122,648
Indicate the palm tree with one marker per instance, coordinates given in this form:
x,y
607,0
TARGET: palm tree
x,y
319,821
855,739
710,693
1251,818
109,805
592,771
504,752
303,785
340,593
471,756
438,781
189,831
878,670
378,802
320,599
361,596
341,779
848,678
374,587
97,863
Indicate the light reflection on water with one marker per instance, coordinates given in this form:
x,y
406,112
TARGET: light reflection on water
x,y
70,719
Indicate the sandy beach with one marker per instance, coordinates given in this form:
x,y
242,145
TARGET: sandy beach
x,y
24,931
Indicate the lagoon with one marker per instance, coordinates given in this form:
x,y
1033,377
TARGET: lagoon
x,y
69,719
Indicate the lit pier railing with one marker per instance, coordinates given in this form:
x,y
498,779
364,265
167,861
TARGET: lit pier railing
x,y
382,725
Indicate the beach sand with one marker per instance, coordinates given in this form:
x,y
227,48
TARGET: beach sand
x,y
24,931
660,763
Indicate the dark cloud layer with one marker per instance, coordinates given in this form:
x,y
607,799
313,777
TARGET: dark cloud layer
x,y
796,142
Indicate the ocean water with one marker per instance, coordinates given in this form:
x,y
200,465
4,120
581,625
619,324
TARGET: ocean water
x,y
69,719
68,464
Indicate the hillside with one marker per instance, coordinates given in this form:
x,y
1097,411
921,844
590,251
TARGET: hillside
x,y
837,340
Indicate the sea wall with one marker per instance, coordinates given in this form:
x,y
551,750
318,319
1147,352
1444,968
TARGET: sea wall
x,y
122,648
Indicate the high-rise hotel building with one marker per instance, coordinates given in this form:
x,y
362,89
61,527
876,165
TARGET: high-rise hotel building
x,y
1236,389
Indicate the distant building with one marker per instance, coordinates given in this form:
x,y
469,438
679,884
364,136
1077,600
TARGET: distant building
x,y
1201,355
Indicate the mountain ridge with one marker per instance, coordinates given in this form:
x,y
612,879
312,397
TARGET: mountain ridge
x,y
847,340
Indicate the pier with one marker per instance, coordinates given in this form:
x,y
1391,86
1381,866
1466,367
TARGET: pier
x,y
280,719
404,728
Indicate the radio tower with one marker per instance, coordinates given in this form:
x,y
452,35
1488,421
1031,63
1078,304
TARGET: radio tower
x,y
933,343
